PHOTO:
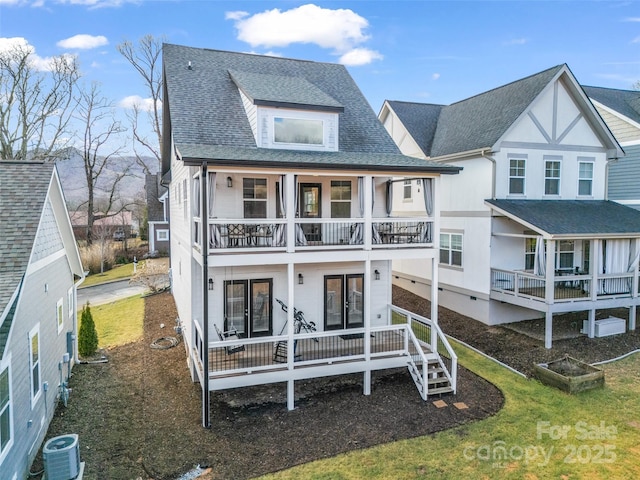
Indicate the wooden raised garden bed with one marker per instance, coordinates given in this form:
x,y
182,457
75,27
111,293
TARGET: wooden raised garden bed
x,y
569,375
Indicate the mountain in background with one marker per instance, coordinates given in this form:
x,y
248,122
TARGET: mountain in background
x,y
74,184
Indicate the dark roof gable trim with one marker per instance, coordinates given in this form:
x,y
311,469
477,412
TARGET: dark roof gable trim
x,y
298,106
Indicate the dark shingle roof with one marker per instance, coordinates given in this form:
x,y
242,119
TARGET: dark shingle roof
x,y
589,218
155,209
23,190
207,117
280,90
626,102
420,120
480,121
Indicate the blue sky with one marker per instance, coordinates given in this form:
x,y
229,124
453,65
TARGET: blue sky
x,y
425,51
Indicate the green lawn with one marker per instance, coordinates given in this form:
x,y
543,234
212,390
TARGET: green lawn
x,y
540,433
119,322
119,272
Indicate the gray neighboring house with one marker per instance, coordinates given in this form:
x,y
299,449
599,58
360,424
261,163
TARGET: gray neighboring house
x,y
157,214
620,109
40,269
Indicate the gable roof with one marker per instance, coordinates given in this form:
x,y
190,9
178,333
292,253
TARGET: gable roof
x,y
625,102
572,218
205,117
420,120
23,190
479,122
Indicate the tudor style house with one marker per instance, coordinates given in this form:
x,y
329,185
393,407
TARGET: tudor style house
x,y
281,229
620,109
40,269
526,228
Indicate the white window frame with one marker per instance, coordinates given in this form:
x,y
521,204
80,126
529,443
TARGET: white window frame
x,y
162,235
585,161
267,118
554,159
449,248
35,389
523,177
5,366
60,315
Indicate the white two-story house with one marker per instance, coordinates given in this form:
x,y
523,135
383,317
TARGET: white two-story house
x,y
281,229
526,228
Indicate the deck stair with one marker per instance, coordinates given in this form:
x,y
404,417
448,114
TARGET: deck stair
x,y
437,380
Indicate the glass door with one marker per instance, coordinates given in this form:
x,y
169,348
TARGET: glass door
x,y
261,311
310,207
249,315
236,306
343,301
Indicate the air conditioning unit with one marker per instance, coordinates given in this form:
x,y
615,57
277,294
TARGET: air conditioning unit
x,y
61,457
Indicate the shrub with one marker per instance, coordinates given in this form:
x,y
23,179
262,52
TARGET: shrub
x,y
87,336
92,257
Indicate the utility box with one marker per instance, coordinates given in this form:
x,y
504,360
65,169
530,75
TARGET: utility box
x,y
606,327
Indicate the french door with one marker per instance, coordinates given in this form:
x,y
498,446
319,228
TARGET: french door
x,y
248,308
343,301
310,207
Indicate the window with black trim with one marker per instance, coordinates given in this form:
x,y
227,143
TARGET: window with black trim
x,y
254,194
340,199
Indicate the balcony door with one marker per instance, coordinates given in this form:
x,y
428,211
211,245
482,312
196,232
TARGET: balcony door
x,y
343,301
248,308
310,207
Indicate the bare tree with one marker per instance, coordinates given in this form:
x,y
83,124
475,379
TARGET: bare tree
x,y
103,171
145,58
37,100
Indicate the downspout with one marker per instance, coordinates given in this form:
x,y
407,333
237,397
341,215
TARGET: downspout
x,y
493,173
204,218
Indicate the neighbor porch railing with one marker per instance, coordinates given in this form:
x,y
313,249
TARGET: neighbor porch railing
x,y
566,287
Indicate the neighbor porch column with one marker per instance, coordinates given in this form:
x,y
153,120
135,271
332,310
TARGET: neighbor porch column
x,y
549,292
634,291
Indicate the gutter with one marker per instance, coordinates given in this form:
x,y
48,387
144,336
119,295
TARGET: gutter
x,y
493,173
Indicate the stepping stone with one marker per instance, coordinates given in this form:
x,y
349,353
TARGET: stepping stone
x,y
440,403
460,405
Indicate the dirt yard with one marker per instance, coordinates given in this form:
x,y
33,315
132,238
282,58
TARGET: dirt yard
x,y
138,416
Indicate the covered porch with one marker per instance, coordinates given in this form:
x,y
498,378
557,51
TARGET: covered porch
x,y
408,340
566,256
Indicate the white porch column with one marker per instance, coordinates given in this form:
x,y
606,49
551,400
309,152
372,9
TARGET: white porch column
x,y
549,292
367,325
594,268
434,287
435,232
634,291
548,329
592,323
368,199
291,398
290,214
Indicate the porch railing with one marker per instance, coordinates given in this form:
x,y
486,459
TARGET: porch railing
x,y
428,333
271,234
566,287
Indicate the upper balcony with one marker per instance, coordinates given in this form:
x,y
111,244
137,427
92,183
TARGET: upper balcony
x,y
251,213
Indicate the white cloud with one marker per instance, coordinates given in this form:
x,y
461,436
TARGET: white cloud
x,y
636,40
238,15
435,76
143,104
516,41
83,42
39,63
632,19
359,56
341,30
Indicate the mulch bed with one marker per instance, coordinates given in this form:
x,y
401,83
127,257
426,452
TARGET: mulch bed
x,y
139,415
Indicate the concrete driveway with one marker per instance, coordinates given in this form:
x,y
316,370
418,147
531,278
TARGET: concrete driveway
x,y
108,292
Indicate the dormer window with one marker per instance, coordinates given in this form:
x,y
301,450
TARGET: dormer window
x,y
298,131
